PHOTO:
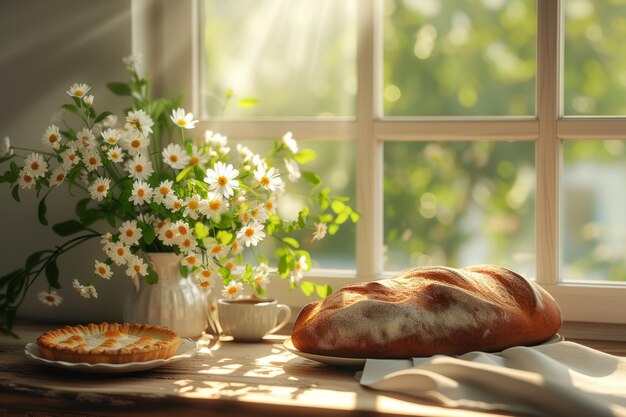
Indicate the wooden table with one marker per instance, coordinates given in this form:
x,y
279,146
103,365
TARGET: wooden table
x,y
224,378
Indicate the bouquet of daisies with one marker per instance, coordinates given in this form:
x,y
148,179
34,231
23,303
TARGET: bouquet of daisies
x,y
160,189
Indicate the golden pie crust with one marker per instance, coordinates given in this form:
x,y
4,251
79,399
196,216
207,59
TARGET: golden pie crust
x,y
108,343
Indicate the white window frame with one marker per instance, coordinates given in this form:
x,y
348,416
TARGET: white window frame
x,y
171,49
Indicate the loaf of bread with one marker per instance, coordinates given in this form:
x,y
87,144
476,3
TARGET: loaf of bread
x,y
427,311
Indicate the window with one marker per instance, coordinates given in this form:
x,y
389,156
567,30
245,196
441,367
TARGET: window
x,y
503,122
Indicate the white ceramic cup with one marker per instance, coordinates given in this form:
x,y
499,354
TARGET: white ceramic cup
x,y
249,320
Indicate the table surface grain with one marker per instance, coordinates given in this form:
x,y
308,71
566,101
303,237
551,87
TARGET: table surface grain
x,y
223,378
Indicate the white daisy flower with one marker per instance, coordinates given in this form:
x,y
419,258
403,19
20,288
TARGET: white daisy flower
x,y
106,238
187,244
205,277
111,136
174,204
118,252
245,153
215,249
192,204
163,192
175,156
136,266
191,260
251,234
182,228
261,281
236,248
230,264
103,270
293,169
36,165
290,142
244,216
5,148
78,90
140,167
198,156
26,180
58,176
142,193
270,206
50,298
88,100
92,160
213,205
115,154
160,224
168,235
298,271
215,139
232,290
99,188
134,142
86,139
182,119
268,179
320,231
258,214
110,121
51,137
130,233
70,157
85,291
133,60
222,179
139,120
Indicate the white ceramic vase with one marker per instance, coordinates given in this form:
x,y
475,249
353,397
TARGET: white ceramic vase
x,y
174,301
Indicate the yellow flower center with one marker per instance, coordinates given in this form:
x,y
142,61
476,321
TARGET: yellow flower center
x,y
265,181
193,204
130,232
121,251
174,158
27,178
136,143
53,138
249,232
137,268
93,160
101,188
138,168
232,290
222,181
169,234
102,270
182,122
182,229
60,177
206,273
217,249
79,93
49,298
34,166
164,190
191,260
194,160
204,284
141,192
229,265
177,205
215,205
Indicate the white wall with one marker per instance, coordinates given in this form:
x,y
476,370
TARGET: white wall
x,y
46,46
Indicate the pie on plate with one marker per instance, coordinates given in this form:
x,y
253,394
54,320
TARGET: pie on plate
x,y
114,343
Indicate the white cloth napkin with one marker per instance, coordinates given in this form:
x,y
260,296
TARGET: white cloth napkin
x,y
560,379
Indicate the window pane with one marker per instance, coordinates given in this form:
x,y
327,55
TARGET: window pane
x,y
594,201
335,165
298,58
459,58
595,63
459,204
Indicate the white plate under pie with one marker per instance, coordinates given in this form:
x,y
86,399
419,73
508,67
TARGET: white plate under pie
x,y
186,349
360,362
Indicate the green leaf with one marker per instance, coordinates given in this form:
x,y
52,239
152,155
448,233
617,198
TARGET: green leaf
x,y
200,231
305,155
119,89
307,288
248,102
283,266
151,277
67,228
333,228
71,108
6,158
41,212
323,290
229,93
52,273
354,216
182,174
33,260
337,206
184,271
291,242
224,237
148,233
102,116
15,193
312,177
81,207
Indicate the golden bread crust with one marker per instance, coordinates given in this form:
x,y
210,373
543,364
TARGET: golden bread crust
x,y
427,311
108,343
